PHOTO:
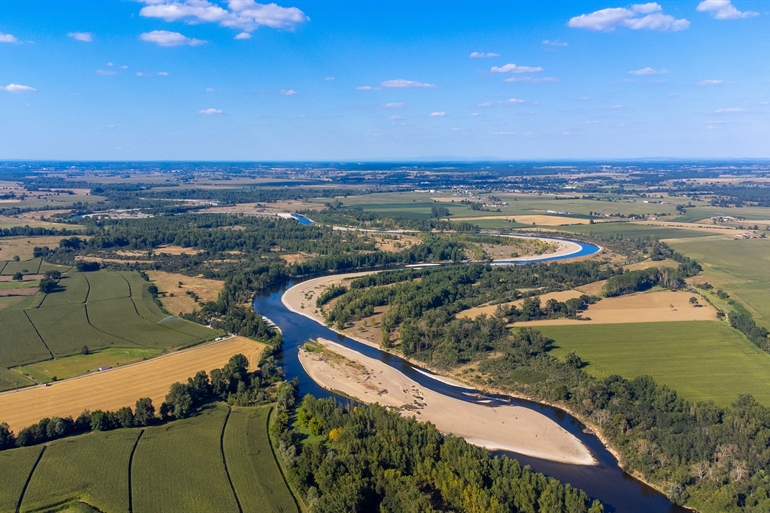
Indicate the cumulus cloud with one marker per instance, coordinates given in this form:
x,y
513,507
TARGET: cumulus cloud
x,y
210,112
534,80
244,15
481,55
437,114
7,38
18,88
647,16
400,82
140,74
394,105
724,10
288,92
513,68
705,83
555,43
730,110
166,38
86,37
648,71
243,35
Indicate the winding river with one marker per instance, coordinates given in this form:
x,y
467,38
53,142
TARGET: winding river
x,y
606,481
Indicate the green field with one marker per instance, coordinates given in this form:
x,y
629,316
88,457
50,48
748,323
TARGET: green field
x,y
16,465
10,380
701,360
255,475
32,284
633,231
740,267
103,310
92,467
178,467
78,364
22,266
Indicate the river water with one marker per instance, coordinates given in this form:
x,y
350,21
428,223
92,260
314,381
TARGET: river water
x,y
618,491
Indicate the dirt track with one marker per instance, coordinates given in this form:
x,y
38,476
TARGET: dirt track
x,y
121,386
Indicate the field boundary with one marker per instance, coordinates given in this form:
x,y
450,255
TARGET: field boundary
x,y
224,458
131,471
38,334
294,495
88,291
4,264
29,478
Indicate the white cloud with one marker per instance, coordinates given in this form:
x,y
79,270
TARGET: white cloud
x,y
210,112
481,55
245,15
724,10
555,42
366,88
162,73
288,92
140,74
7,38
18,88
166,38
512,101
124,67
329,79
474,113
86,37
485,104
648,71
394,105
395,117
243,35
210,89
704,83
534,80
640,16
731,110
107,72
437,114
764,103
401,83
513,68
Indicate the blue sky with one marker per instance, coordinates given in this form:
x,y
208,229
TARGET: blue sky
x,y
357,80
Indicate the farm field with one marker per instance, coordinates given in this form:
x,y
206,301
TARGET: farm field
x,y
166,475
10,222
121,386
23,247
92,467
10,380
21,266
740,267
701,360
181,302
78,364
253,470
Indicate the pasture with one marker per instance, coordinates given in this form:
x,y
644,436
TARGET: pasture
x,y
253,470
179,466
120,386
181,301
23,247
701,360
740,267
78,364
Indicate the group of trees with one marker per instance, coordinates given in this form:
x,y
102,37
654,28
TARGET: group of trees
x,y
232,383
366,458
531,308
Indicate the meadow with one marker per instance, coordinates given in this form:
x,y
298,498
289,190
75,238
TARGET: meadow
x,y
98,310
167,474
701,360
78,364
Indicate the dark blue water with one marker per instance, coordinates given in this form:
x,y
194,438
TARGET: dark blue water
x,y
302,219
606,481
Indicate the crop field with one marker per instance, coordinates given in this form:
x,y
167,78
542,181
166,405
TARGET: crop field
x,y
22,266
16,465
701,360
634,231
106,285
21,343
170,476
206,290
75,290
253,469
120,386
23,247
92,467
740,267
78,364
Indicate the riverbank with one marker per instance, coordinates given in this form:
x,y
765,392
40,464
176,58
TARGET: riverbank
x,y
508,428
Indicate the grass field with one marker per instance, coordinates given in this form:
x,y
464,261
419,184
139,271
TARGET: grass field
x,y
16,465
10,380
701,360
740,267
22,266
120,386
78,364
253,469
21,343
92,467
178,467
107,285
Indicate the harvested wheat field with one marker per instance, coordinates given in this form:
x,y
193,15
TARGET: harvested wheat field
x,y
115,388
168,283
175,250
661,306
474,312
23,246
